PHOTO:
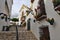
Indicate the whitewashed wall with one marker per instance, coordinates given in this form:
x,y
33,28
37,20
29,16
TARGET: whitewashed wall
x,y
33,26
35,4
51,13
21,14
53,29
10,3
25,13
3,9
2,5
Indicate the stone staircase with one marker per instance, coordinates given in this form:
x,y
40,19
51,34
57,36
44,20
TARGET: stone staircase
x,y
22,35
13,28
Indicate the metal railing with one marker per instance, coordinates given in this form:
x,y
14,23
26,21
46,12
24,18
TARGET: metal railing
x,y
17,33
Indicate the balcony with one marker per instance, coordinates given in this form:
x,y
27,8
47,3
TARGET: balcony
x,y
23,24
40,11
39,18
57,8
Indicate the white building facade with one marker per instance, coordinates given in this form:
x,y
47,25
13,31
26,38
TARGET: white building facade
x,y
42,29
53,30
5,10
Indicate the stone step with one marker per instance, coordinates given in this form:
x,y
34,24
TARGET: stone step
x,y
22,35
13,28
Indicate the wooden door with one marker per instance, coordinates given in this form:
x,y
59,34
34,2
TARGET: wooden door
x,y
45,34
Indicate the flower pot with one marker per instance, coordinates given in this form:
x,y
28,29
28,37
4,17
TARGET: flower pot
x,y
2,17
51,21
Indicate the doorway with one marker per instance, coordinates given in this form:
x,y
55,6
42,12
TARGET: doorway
x,y
44,33
28,24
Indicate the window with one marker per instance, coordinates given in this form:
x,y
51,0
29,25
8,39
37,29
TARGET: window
x,y
56,4
34,21
6,18
1,13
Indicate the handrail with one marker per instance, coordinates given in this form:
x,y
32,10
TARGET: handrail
x,y
17,33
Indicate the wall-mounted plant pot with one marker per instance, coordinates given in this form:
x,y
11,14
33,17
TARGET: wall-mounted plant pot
x,y
1,13
2,17
51,21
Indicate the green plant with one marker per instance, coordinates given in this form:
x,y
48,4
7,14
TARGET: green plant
x,y
56,2
2,17
15,19
51,21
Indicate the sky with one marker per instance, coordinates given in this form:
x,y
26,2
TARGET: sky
x,y
17,5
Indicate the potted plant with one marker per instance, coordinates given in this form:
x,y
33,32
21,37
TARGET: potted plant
x,y
15,20
2,17
51,21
